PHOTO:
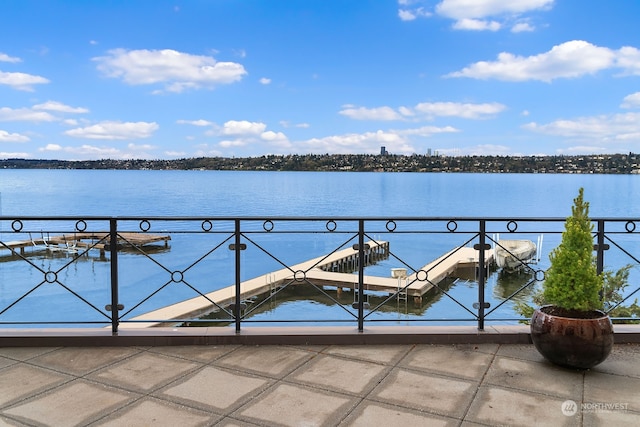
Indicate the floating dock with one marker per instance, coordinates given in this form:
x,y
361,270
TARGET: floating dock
x,y
78,241
324,271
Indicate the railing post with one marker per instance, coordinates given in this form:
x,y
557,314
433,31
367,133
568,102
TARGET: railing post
x,y
113,251
600,247
237,248
361,250
481,274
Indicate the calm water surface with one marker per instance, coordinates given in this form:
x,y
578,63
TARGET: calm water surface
x,y
221,193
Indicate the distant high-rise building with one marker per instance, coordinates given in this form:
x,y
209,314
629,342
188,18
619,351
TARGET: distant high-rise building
x,y
383,151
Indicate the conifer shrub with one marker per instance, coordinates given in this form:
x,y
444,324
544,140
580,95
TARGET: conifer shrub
x,y
572,282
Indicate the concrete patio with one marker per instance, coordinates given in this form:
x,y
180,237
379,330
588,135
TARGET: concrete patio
x,y
318,385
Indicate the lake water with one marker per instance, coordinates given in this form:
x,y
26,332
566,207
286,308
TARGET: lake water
x,y
278,194
221,193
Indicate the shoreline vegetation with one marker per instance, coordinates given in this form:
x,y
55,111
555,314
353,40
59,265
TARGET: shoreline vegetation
x,y
584,164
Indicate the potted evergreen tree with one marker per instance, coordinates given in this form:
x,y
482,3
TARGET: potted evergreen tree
x,y
571,329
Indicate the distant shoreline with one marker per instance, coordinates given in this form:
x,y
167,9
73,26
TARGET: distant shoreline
x,y
591,164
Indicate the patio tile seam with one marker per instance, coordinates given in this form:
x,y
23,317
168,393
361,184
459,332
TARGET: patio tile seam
x,y
202,407
235,421
236,413
33,394
423,410
438,374
115,410
127,388
411,405
479,384
359,360
349,359
51,350
10,417
528,390
109,385
370,398
157,394
525,391
320,387
635,377
307,347
397,360
383,403
289,380
255,373
152,350
49,367
132,397
132,404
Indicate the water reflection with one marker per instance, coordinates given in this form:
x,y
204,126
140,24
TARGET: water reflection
x,y
521,282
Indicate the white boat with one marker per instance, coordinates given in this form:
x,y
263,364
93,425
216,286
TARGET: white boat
x,y
514,255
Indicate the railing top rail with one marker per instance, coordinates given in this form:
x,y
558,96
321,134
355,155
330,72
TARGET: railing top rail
x,y
308,218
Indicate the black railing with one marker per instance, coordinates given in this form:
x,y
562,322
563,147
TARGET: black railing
x,y
125,271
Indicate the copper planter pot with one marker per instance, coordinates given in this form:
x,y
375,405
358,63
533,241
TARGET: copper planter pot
x,y
580,343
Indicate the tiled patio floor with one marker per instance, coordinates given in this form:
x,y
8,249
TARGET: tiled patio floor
x,y
390,385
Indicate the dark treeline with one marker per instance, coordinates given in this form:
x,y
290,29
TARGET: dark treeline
x,y
604,164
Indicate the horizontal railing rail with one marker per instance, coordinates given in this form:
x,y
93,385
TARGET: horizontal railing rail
x,y
120,272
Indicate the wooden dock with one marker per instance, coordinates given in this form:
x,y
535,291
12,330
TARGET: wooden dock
x,y
320,271
82,241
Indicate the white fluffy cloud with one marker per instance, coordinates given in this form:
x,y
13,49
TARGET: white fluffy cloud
x,y
176,71
59,107
21,81
477,25
242,127
86,151
601,128
379,113
476,15
631,101
410,14
521,27
457,109
12,137
461,9
199,122
574,58
426,131
14,155
396,141
115,130
478,150
24,115
286,124
425,111
628,58
368,142
6,58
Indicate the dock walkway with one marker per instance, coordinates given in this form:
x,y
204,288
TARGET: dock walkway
x,y
314,270
83,240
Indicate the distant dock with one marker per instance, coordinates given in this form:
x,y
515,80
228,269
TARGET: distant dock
x,y
325,271
83,241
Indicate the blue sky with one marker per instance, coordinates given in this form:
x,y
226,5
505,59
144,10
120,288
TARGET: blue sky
x,y
163,79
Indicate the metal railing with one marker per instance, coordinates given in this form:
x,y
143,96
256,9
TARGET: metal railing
x,y
124,271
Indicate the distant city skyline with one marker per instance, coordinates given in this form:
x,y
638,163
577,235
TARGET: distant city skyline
x,y
180,79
